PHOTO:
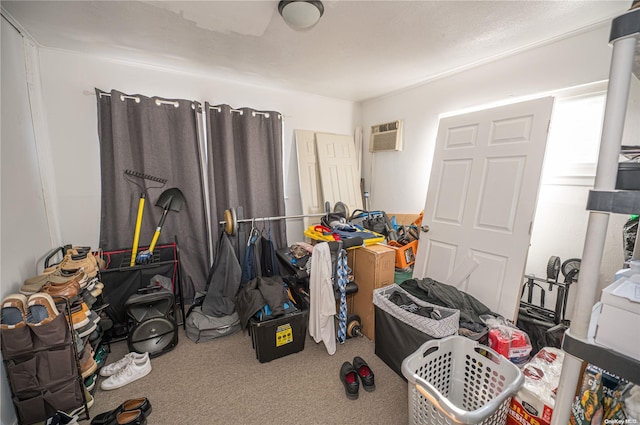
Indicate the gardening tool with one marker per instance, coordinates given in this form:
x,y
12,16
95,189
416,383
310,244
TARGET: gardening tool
x,y
131,176
169,200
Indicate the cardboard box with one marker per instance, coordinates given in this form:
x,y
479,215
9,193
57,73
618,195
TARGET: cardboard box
x,y
527,408
624,293
533,404
618,330
620,311
373,267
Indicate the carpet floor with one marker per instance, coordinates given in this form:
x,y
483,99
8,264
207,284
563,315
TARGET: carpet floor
x,y
222,382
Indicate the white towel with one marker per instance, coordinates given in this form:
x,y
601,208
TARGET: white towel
x,y
323,303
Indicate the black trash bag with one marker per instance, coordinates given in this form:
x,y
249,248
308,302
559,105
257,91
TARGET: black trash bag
x,y
376,221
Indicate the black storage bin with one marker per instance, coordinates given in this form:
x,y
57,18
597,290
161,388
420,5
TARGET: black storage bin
x,y
399,333
280,336
395,340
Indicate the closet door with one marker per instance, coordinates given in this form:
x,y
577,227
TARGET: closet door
x,y
481,201
308,170
339,172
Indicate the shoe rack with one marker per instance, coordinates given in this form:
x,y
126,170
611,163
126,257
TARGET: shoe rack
x,y
121,281
43,369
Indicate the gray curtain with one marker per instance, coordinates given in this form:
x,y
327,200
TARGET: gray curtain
x,y
244,150
152,136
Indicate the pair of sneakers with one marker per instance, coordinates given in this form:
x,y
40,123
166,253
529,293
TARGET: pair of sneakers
x,y
18,311
351,374
131,367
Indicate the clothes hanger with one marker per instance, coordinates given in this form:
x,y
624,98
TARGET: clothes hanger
x,y
253,233
262,231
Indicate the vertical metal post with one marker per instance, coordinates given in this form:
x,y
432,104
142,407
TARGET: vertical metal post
x,y
606,173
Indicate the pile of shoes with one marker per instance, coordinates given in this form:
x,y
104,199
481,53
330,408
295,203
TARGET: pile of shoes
x,y
131,367
131,412
351,374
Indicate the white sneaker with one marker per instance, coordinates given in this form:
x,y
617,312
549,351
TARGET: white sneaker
x,y
113,368
131,372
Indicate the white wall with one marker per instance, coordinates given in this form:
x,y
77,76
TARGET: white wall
x,y
581,59
578,60
72,122
24,228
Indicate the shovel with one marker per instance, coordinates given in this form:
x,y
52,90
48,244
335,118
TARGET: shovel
x,y
169,200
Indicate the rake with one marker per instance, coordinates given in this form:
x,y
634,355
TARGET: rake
x,y
134,177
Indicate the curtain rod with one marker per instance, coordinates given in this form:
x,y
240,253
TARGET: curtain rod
x,y
239,111
280,217
158,102
194,104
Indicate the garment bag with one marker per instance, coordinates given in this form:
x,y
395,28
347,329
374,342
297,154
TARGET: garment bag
x,y
223,282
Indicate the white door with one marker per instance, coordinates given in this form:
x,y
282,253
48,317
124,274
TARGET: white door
x,y
339,170
309,173
481,201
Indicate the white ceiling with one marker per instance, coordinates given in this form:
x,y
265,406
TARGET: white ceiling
x,y
358,50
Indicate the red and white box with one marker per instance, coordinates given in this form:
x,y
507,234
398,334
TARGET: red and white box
x,y
533,404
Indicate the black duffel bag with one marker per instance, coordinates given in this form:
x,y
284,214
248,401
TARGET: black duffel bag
x,y
375,221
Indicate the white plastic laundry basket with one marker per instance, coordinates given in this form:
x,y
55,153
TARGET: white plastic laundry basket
x,y
456,380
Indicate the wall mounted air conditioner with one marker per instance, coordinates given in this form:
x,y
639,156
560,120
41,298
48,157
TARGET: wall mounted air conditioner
x,y
386,137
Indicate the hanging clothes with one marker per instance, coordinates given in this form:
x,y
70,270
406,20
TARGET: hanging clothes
x,y
259,292
268,259
341,276
223,282
251,264
322,308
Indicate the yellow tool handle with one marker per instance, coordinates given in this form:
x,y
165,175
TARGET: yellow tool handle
x,y
136,235
156,235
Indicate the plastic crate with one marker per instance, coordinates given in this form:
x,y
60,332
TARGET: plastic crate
x,y
279,337
455,380
405,254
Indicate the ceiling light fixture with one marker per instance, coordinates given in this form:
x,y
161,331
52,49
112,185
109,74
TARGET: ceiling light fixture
x,y
301,14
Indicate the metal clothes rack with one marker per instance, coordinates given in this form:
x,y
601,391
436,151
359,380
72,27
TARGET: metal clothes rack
x,y
234,216
280,217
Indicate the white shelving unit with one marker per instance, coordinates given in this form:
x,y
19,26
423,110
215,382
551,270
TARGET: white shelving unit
x,y
603,201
